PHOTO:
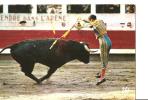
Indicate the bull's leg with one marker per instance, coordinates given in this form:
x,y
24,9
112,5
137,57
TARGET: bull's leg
x,y
32,77
27,69
50,72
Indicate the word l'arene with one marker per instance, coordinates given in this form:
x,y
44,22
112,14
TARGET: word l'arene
x,y
29,17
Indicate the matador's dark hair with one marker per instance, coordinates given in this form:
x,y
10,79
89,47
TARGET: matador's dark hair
x,y
93,17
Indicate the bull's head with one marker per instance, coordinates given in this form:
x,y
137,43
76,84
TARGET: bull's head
x,y
84,53
76,50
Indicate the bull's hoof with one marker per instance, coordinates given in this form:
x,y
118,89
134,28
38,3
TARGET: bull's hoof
x,y
103,80
38,82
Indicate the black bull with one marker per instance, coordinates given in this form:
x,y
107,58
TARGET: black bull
x,y
29,52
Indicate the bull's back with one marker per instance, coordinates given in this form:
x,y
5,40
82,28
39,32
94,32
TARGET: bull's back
x,y
30,47
35,50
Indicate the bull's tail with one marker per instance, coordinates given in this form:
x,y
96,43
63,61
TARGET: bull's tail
x,y
4,49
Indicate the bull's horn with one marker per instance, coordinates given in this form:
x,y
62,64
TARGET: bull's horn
x,y
86,48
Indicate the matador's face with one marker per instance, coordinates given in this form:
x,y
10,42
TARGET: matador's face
x,y
91,20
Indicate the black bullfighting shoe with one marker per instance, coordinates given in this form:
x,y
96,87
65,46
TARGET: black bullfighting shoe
x,y
98,75
101,81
